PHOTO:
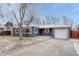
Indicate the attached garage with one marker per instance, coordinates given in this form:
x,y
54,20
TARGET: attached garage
x,y
62,33
56,31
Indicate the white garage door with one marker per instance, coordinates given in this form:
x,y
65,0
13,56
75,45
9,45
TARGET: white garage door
x,y
61,33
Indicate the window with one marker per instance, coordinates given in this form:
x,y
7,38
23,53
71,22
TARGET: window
x,y
36,30
29,30
47,30
17,29
24,30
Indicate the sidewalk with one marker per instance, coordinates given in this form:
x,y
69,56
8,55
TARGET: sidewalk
x,y
76,44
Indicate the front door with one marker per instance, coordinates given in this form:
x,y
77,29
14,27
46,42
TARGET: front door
x,y
41,31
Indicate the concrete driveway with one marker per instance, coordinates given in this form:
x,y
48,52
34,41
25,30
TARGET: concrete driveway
x,y
49,47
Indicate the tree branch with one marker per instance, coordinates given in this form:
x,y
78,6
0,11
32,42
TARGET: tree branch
x,y
16,18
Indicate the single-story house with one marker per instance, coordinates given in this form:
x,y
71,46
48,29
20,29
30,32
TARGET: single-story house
x,y
4,30
1,29
56,31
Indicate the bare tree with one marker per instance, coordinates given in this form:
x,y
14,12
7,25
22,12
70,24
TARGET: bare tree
x,y
1,14
48,19
54,20
57,20
71,24
43,22
77,26
22,14
38,21
66,20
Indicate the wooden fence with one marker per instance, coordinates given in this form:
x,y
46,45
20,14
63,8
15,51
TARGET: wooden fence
x,y
74,34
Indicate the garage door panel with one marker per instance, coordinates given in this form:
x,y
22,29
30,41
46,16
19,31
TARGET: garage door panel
x,y
61,33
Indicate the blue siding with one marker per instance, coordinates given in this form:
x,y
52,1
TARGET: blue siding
x,y
15,33
52,32
25,33
33,31
33,34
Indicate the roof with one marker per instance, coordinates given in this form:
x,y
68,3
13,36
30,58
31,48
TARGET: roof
x,y
53,26
26,26
2,26
45,26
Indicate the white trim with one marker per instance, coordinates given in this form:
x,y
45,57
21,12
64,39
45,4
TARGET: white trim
x,y
46,30
45,26
36,30
16,30
52,26
30,30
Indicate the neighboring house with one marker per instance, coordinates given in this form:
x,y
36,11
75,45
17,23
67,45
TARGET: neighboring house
x,y
55,31
6,29
1,29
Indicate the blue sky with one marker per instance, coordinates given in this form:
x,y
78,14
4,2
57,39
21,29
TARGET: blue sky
x,y
70,10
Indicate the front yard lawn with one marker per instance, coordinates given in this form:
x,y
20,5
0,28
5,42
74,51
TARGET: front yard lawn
x,y
12,42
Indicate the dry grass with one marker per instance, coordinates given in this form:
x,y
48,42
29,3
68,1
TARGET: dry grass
x,y
13,39
9,42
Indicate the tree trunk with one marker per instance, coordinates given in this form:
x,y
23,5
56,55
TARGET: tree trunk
x,y
20,33
11,31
